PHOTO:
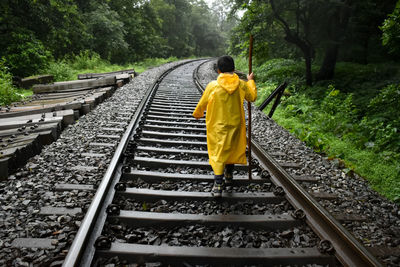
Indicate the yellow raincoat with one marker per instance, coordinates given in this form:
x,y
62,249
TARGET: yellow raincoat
x,y
226,127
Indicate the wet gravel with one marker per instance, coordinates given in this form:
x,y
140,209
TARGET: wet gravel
x,y
187,170
195,186
207,207
173,156
197,235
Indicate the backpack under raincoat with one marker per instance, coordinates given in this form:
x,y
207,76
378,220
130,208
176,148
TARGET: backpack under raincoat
x,y
225,121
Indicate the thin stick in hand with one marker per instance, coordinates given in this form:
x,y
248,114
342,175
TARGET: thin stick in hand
x,y
249,106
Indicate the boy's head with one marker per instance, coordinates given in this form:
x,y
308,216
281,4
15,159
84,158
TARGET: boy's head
x,y
226,64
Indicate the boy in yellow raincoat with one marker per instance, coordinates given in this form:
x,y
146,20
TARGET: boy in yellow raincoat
x,y
225,121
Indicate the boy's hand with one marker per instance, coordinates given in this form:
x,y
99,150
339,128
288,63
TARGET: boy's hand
x,y
250,76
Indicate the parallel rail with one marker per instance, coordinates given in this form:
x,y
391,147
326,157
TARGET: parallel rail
x,y
82,252
334,236
82,249
27,126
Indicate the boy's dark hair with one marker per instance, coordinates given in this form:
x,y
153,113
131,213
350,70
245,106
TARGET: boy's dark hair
x,y
226,64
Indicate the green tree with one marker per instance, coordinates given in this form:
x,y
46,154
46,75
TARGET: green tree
x,y
318,29
175,25
332,34
107,31
143,29
60,26
55,25
32,31
391,31
269,35
8,94
26,54
208,40
295,18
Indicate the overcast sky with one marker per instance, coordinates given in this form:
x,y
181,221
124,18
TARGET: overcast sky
x,y
239,12
209,2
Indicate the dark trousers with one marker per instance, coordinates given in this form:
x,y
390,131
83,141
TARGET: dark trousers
x,y
228,169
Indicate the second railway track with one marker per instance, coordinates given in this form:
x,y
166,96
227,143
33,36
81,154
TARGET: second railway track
x,y
154,203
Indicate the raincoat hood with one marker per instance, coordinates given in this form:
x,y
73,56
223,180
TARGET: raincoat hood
x,y
228,81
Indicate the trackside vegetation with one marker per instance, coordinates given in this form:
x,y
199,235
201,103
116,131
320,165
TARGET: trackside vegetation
x,y
352,119
68,69
90,62
8,93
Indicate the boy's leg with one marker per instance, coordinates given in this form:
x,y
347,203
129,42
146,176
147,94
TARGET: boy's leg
x,y
218,185
229,174
218,168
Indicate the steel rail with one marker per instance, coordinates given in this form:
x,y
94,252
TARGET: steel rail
x,y
81,242
347,249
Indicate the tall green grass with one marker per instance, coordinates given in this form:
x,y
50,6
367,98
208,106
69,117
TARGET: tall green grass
x,y
89,62
86,62
8,93
68,69
354,117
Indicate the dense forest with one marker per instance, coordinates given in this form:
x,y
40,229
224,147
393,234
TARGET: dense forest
x,y
32,32
322,32
339,57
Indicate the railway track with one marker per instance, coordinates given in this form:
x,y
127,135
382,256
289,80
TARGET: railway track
x,y
154,202
27,126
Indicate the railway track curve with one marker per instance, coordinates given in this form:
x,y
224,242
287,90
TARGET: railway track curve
x,y
154,205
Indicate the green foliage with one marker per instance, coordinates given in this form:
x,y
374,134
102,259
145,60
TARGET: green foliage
x,y
351,76
268,35
381,125
108,33
382,169
280,70
26,55
276,71
363,81
326,119
90,62
61,70
207,40
87,60
391,31
151,63
339,112
8,93
322,32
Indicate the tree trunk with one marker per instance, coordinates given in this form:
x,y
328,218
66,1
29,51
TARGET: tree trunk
x,y
309,79
327,70
365,49
308,54
337,22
